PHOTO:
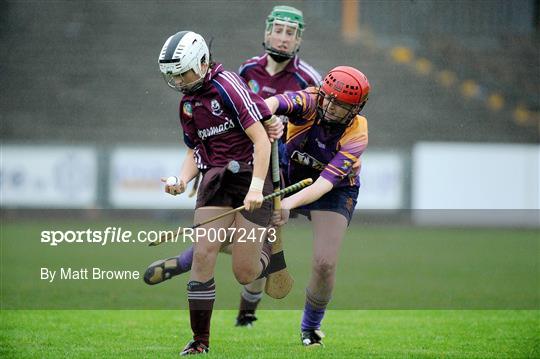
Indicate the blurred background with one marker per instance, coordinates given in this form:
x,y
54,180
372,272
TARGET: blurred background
x,y
453,113
87,123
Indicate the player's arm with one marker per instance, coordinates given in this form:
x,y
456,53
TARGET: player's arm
x,y
189,168
188,171
296,105
272,103
261,161
274,128
309,194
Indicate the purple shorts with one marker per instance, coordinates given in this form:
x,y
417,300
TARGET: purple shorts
x,y
341,200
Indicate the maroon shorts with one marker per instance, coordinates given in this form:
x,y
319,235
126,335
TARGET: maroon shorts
x,y
221,187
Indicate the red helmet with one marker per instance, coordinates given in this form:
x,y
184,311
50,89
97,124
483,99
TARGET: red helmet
x,y
347,89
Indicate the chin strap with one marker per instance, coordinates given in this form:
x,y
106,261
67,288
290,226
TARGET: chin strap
x,y
278,56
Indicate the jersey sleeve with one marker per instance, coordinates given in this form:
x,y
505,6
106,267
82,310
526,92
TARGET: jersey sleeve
x,y
311,76
298,106
352,145
188,127
247,105
246,65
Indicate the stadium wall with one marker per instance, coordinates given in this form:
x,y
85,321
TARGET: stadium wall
x,y
435,176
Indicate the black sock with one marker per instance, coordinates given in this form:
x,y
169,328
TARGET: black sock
x,y
249,302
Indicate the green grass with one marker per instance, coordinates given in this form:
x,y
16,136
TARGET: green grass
x,y
379,268
483,283
353,334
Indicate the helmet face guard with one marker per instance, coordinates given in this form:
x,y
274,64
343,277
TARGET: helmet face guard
x,y
284,24
282,33
333,112
342,95
178,83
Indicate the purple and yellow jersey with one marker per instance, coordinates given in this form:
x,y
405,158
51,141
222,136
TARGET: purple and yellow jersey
x,y
296,76
214,119
315,150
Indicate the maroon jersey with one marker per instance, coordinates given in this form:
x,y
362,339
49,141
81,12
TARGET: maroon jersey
x,y
297,75
215,118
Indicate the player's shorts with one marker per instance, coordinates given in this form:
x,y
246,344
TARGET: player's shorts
x,y
341,200
222,187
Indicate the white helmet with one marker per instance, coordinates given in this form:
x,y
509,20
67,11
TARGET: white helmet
x,y
182,52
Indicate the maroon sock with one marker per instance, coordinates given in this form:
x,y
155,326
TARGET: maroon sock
x,y
266,253
201,298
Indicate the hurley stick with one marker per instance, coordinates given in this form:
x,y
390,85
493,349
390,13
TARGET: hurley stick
x,y
293,188
279,282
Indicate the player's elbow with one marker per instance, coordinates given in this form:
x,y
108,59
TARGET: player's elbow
x,y
321,187
262,144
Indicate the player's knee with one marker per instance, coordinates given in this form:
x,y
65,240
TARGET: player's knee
x,y
324,268
244,274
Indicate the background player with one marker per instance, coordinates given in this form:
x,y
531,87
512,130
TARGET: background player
x,y
275,72
325,138
221,121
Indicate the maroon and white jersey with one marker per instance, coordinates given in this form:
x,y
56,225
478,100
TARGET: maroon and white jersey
x,y
296,76
215,118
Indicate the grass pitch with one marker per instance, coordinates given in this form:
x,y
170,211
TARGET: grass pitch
x,y
350,334
467,275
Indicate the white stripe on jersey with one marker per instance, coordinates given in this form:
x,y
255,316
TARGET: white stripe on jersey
x,y
311,72
242,92
230,100
242,87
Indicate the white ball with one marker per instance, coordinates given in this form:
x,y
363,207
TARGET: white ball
x,y
171,181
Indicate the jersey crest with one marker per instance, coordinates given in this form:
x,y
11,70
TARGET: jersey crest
x,y
216,108
253,85
187,110
307,160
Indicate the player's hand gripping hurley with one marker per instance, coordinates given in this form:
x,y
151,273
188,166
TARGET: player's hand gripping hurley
x,y
293,188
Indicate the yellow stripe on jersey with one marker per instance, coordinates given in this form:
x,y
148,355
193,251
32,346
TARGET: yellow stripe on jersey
x,y
337,169
349,156
304,101
290,106
296,130
332,171
358,129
